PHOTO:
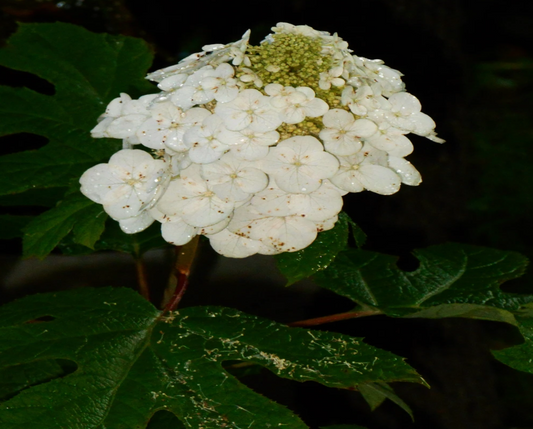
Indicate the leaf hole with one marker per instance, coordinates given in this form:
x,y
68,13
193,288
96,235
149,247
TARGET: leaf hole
x,y
19,79
41,319
408,262
14,142
164,419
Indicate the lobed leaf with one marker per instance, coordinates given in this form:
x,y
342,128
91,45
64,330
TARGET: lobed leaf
x,y
132,362
467,277
87,70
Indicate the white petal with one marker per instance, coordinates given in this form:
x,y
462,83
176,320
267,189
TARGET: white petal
x,y
422,124
233,246
338,119
204,210
250,152
347,180
123,203
136,224
172,82
327,224
404,103
394,144
406,170
97,181
288,234
177,233
124,126
363,128
215,228
378,179
315,108
319,205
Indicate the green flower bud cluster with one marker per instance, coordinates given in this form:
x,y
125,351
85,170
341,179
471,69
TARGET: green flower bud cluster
x,y
290,60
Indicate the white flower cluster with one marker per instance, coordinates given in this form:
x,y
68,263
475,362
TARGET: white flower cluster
x,y
254,146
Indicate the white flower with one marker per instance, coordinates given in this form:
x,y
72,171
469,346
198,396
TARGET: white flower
x,y
391,140
232,179
247,144
129,184
365,99
317,206
250,109
335,47
299,164
389,79
221,84
167,125
294,104
343,133
331,77
367,169
192,92
249,75
191,198
205,145
123,117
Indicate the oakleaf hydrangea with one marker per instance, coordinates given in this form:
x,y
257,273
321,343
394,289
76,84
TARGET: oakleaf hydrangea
x,y
254,146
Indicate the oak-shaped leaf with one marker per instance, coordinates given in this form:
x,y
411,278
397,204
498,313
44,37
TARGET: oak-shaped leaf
x,y
133,361
452,280
87,71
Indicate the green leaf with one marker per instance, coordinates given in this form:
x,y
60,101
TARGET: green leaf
x,y
299,265
357,233
472,311
376,393
55,165
132,362
88,70
18,377
520,357
135,244
113,238
75,213
11,226
466,276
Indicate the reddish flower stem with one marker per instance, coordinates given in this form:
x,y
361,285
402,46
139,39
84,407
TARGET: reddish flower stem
x,y
142,278
334,318
182,269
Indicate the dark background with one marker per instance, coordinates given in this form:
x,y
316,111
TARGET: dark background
x,y
471,65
